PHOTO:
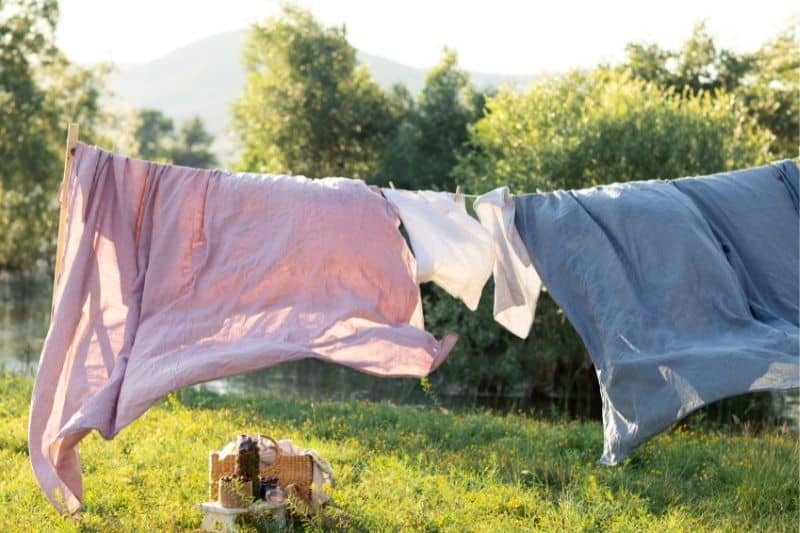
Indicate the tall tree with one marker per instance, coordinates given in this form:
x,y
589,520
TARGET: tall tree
x,y
772,92
307,108
193,146
27,32
423,152
767,80
155,139
698,66
154,133
40,92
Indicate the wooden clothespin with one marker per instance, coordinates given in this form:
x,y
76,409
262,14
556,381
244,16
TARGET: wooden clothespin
x,y
457,194
391,184
63,200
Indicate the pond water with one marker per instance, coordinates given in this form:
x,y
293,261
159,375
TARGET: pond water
x,y
25,315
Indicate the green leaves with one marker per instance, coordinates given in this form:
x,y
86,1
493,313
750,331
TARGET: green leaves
x,y
412,468
770,94
193,148
40,93
28,228
307,108
27,30
155,139
151,132
584,129
423,152
765,81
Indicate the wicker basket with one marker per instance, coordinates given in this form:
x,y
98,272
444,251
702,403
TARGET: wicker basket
x,y
218,468
295,473
234,493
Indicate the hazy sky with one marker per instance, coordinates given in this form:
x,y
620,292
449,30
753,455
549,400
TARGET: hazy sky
x,y
513,37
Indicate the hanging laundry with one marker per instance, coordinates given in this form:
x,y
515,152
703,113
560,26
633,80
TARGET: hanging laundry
x,y
452,249
684,292
516,282
730,203
175,276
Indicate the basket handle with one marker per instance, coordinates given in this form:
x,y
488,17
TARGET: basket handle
x,y
278,451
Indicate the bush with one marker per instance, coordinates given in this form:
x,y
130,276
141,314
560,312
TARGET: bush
x,y
28,226
581,130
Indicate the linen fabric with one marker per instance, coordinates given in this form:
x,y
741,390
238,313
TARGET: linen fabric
x,y
516,282
175,276
684,292
451,248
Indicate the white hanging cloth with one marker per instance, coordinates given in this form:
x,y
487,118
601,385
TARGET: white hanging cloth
x,y
516,282
452,249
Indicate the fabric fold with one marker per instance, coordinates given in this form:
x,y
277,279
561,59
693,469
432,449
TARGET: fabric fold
x,y
516,283
451,248
684,292
175,276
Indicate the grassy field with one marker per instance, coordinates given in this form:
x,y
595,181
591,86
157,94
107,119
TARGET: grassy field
x,y
406,468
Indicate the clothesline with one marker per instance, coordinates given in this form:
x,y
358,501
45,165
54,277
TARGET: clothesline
x,y
222,276
457,193
683,293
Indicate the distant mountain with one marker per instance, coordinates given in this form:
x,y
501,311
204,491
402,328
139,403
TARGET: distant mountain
x,y
204,77
201,78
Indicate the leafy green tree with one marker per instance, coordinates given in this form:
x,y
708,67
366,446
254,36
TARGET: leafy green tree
x,y
307,108
155,139
396,160
767,80
40,93
154,133
698,66
579,130
771,92
27,32
28,228
423,152
193,147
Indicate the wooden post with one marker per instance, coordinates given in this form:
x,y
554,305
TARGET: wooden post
x,y
63,199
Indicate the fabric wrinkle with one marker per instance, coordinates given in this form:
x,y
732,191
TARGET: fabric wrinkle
x,y
175,276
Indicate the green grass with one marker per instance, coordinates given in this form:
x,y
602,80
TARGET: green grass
x,y
413,469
